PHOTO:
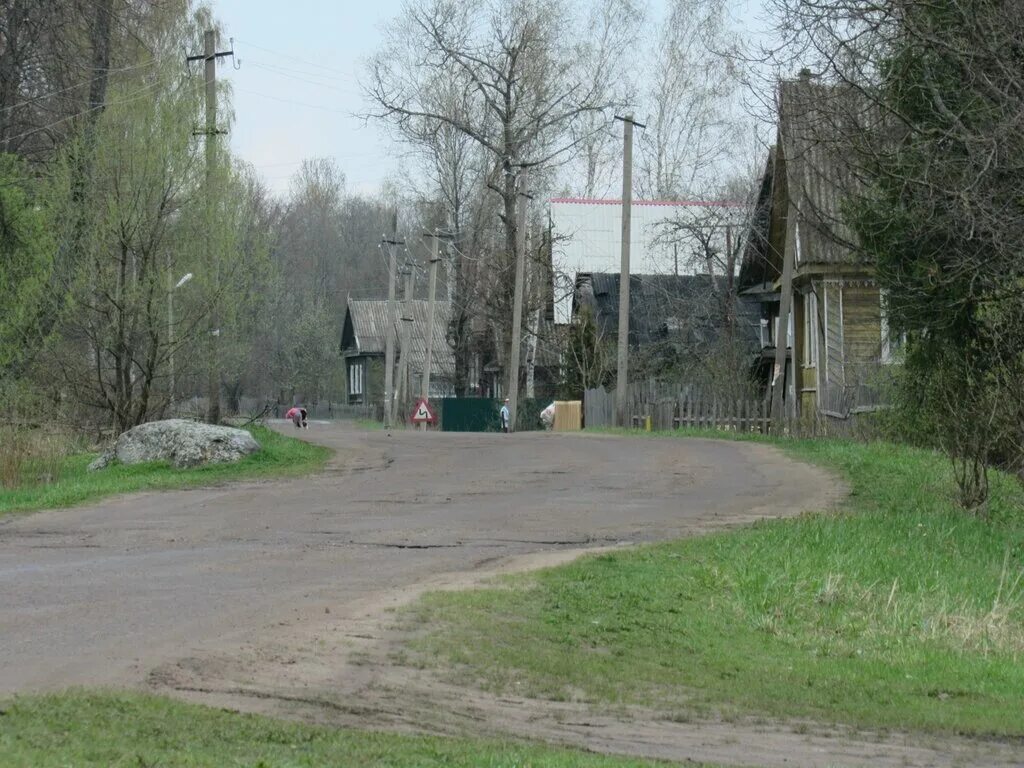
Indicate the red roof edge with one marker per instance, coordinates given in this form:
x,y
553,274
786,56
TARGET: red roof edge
x,y
669,203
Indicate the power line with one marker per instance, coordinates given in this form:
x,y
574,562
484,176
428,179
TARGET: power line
x,y
135,97
278,68
279,73
108,70
293,102
293,58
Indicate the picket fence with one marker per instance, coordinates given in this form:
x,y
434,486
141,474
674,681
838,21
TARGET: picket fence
x,y
655,409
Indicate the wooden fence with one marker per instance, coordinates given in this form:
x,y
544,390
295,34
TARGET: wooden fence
x,y
657,409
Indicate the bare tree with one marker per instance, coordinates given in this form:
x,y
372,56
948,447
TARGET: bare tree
x,y
519,91
691,94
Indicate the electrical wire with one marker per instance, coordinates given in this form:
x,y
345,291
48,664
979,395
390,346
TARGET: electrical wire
x,y
134,97
278,68
293,58
291,101
279,73
110,70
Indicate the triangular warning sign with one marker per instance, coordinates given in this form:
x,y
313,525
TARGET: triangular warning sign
x,y
423,412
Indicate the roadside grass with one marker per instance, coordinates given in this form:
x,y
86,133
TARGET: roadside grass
x,y
80,730
281,456
896,611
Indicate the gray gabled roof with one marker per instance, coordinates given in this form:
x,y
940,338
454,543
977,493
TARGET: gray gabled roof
x,y
820,129
365,332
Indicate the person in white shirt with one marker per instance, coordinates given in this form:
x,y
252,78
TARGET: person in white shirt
x,y
504,417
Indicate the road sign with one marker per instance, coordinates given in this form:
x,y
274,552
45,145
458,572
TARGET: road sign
x,y
423,413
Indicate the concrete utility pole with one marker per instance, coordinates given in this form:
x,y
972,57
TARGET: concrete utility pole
x,y
517,306
431,295
622,370
209,57
405,346
392,319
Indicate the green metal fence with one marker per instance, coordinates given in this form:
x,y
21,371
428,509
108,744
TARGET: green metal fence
x,y
481,414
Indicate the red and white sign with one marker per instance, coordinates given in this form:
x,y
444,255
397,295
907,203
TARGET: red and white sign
x,y
423,413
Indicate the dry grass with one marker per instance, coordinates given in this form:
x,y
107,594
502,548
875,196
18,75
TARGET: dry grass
x,y
32,457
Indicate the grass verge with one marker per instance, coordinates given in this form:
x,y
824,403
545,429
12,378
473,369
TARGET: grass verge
x,y
281,456
898,611
79,730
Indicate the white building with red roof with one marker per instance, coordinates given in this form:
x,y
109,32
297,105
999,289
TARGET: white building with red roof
x,y
588,238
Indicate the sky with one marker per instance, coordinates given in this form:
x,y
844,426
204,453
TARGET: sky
x,y
296,93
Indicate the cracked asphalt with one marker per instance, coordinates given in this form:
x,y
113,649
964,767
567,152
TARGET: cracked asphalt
x,y
104,594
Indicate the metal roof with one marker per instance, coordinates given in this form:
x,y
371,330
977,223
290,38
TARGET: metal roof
x,y
664,304
820,127
365,332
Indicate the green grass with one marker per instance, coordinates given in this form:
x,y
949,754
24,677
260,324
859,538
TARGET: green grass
x,y
120,730
899,611
369,424
281,456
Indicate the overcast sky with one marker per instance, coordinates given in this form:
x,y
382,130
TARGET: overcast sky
x,y
296,94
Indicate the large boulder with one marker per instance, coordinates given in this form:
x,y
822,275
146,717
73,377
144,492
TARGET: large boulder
x,y
182,443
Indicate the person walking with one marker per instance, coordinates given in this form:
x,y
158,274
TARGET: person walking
x,y
504,417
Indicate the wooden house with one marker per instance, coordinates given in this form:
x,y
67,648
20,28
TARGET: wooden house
x,y
363,340
802,263
684,311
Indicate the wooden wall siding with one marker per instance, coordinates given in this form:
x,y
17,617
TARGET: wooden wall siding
x,y
862,328
809,379
834,374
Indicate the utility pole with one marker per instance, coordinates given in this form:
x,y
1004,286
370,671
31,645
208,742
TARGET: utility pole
x,y
782,334
389,344
517,306
209,57
622,370
405,346
429,331
170,336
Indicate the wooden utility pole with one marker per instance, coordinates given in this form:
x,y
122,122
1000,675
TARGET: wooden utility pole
x,y
209,56
392,320
622,369
782,334
429,330
405,345
517,306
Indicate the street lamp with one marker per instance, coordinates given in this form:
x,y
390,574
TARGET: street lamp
x,y
170,326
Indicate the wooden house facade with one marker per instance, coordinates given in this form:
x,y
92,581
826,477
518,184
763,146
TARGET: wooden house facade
x,y
801,261
363,340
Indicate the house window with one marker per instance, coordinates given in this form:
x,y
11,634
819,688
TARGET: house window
x,y
810,350
355,378
789,330
892,342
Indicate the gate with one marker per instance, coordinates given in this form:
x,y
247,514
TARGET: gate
x,y
480,414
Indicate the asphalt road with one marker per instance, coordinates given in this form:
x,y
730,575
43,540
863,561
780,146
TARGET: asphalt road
x,y
104,594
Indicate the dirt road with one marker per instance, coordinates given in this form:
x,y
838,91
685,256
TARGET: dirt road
x,y
102,594
258,594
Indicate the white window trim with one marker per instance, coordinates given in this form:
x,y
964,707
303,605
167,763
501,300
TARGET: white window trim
x,y
887,346
355,378
810,345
